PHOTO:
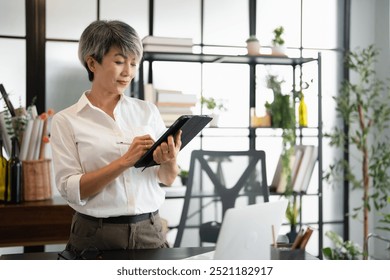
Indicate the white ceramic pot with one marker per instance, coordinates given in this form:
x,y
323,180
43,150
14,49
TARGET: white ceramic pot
x,y
278,50
214,121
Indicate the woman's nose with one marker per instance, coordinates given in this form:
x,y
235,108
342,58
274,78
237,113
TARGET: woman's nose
x,y
127,70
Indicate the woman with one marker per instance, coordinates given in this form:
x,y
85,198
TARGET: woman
x,y
97,141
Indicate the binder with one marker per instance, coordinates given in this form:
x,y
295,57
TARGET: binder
x,y
190,126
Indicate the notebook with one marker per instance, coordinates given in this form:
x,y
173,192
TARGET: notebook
x,y
246,232
190,126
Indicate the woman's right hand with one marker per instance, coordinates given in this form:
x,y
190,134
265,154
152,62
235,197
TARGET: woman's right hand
x,y
137,148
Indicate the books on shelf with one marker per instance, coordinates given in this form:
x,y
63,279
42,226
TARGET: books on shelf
x,y
306,167
175,110
178,97
279,181
167,44
166,48
302,164
159,40
171,103
149,93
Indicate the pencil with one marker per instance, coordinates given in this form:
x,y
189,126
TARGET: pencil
x,y
273,236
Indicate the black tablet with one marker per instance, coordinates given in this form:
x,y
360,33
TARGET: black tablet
x,y
190,126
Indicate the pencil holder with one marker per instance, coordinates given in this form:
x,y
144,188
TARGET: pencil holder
x,y
284,252
36,179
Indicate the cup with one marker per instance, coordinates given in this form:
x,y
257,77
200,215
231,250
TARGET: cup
x,y
283,251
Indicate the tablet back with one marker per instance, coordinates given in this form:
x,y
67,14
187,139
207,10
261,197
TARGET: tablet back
x,y
190,125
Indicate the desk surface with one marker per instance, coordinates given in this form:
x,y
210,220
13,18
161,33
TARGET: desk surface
x,y
141,254
35,223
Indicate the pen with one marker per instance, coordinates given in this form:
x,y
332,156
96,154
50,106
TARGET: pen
x,y
123,143
273,236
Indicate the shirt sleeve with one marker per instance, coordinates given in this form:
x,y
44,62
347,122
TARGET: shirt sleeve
x,y
66,161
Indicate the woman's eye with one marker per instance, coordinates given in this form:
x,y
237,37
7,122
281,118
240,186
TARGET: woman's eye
x,y
119,62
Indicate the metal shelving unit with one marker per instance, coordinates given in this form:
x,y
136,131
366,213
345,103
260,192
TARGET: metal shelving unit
x,y
252,61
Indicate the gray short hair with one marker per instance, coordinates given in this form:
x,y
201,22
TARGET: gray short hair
x,y
97,39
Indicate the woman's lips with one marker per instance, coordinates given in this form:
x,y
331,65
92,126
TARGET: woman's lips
x,y
124,83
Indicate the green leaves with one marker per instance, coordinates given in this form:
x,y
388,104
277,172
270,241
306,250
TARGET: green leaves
x,y
211,103
278,40
342,250
363,105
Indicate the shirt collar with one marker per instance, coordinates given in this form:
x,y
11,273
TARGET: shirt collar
x,y
84,102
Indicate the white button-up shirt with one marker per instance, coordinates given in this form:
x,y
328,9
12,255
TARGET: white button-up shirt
x,y
84,138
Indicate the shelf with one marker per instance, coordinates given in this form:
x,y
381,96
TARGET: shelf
x,y
252,132
240,59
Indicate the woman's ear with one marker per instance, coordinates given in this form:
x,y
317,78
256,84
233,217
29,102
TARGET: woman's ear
x,y
91,63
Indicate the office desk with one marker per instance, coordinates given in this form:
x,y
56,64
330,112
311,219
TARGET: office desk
x,y
35,223
141,254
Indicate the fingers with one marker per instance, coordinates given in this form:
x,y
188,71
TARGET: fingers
x,y
144,142
169,150
178,140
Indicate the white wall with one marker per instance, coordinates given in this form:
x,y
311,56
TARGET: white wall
x,y
370,24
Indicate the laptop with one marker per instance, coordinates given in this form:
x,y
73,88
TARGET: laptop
x,y
246,232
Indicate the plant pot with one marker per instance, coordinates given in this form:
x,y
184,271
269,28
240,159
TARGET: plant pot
x,y
292,234
279,50
184,180
215,120
253,47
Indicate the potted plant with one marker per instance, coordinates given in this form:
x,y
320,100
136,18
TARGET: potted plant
x,y
253,45
364,107
342,250
183,174
215,107
292,214
278,41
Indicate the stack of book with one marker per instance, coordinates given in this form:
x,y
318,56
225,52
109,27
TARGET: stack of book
x,y
302,164
167,44
171,103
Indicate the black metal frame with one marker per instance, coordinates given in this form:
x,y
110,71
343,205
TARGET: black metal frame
x,y
227,196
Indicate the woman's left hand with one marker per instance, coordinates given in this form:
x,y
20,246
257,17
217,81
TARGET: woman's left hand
x,y
168,151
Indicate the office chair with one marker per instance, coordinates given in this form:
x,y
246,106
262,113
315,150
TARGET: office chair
x,y
219,180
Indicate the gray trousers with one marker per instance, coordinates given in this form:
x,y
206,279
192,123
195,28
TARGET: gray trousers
x,y
87,234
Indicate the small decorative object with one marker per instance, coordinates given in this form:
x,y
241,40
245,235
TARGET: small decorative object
x,y
37,172
262,121
215,107
253,45
302,110
278,41
183,176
